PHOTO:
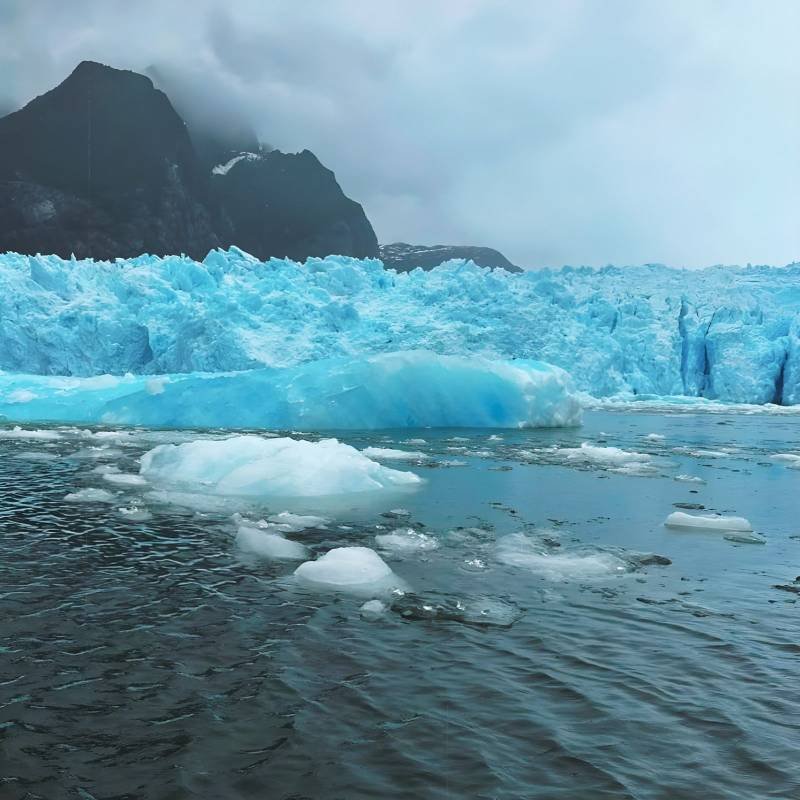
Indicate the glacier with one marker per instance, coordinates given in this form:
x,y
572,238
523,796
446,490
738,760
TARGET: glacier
x,y
729,334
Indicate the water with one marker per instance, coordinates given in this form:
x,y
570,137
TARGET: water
x,y
151,659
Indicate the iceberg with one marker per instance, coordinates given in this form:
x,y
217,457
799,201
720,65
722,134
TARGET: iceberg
x,y
727,334
391,390
679,519
252,466
355,570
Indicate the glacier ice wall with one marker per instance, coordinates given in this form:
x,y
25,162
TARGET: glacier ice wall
x,y
389,390
722,333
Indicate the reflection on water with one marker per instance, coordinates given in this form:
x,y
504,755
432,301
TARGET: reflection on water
x,y
547,648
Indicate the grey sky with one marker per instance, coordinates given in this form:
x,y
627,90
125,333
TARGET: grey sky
x,y
567,131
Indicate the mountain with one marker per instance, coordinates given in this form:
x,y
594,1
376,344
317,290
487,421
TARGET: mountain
x,y
290,205
405,257
103,166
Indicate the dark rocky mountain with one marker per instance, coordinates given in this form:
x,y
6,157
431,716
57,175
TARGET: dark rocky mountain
x,y
291,205
405,257
104,166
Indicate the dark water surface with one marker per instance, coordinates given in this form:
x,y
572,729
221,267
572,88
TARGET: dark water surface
x,y
152,659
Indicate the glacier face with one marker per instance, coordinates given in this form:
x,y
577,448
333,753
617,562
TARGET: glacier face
x,y
389,390
724,333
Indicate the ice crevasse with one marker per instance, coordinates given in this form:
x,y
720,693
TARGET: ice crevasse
x,y
722,333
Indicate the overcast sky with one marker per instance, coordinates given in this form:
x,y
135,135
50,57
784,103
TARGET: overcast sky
x,y
560,132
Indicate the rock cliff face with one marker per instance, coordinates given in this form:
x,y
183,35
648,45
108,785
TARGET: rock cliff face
x,y
103,166
289,205
405,257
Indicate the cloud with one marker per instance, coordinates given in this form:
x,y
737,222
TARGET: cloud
x,y
587,131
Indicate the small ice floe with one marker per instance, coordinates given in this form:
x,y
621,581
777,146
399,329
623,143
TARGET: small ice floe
x,y
415,441
389,454
355,570
406,540
252,466
134,513
792,460
27,433
124,479
688,479
373,610
36,455
103,469
267,544
745,537
596,454
519,550
291,523
678,519
482,611
614,459
90,495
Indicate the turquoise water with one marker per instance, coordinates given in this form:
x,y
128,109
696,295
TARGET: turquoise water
x,y
152,659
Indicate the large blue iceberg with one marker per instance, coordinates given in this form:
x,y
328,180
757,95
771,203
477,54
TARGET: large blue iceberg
x,y
392,390
724,333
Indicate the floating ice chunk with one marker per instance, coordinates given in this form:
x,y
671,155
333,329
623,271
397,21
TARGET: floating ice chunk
x,y
124,479
373,610
519,550
26,433
36,455
104,469
709,454
397,512
679,519
357,570
135,513
406,540
90,495
786,458
415,441
388,454
269,545
688,479
745,538
604,456
483,611
297,522
279,467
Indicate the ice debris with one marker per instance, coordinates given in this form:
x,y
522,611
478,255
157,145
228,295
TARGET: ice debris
x,y
519,550
406,540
